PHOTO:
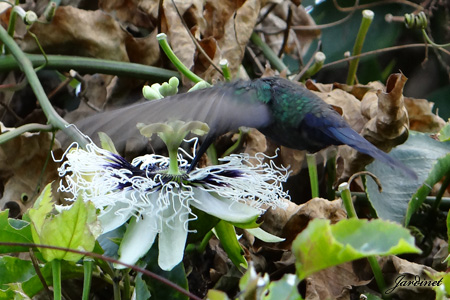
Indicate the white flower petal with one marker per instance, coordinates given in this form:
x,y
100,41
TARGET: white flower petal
x,y
114,216
172,238
138,239
223,208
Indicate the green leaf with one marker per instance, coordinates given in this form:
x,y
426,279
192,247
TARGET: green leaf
x,y
69,270
372,297
18,275
15,231
322,245
440,169
216,295
71,228
284,289
226,233
141,289
38,214
13,269
253,285
420,152
444,134
14,291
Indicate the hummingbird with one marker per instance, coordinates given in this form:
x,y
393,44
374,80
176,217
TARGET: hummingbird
x,y
282,110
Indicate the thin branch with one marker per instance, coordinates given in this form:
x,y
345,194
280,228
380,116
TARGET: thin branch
x,y
373,4
286,31
31,127
110,260
12,112
194,40
324,26
394,48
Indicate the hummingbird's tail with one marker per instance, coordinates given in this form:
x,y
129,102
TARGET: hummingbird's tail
x,y
350,137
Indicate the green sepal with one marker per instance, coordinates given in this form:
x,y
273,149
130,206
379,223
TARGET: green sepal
x,y
226,233
107,143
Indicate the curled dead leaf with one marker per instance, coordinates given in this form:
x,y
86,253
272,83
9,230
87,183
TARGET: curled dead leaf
x,y
388,124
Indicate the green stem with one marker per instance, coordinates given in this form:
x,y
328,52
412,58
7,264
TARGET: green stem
x,y
225,69
56,272
331,171
52,116
11,25
364,27
57,2
162,39
237,144
126,286
205,241
65,63
274,60
88,265
31,127
212,154
116,285
173,162
377,273
319,59
441,192
347,200
351,213
50,11
433,43
12,20
444,205
312,169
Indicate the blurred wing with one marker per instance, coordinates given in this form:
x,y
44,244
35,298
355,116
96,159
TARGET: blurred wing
x,y
219,106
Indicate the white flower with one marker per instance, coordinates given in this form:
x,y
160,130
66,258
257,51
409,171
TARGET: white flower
x,y
160,204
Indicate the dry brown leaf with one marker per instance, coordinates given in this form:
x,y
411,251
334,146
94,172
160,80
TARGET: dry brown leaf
x,y
79,32
131,11
421,118
143,50
290,222
6,97
333,283
318,87
178,36
23,158
237,31
359,90
255,142
393,266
